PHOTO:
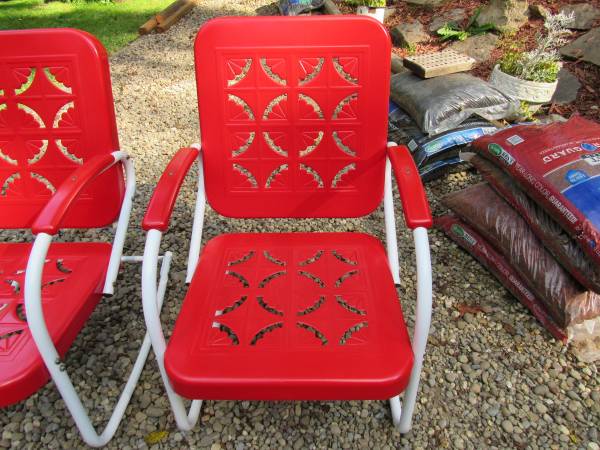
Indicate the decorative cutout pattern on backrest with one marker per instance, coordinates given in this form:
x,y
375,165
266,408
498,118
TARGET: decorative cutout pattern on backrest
x,y
253,306
55,112
294,121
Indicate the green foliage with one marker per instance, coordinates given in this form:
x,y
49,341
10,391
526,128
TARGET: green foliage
x,y
369,3
544,71
526,112
452,32
115,24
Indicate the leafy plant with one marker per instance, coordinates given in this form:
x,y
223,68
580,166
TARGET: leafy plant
x,y
369,3
453,32
526,113
542,63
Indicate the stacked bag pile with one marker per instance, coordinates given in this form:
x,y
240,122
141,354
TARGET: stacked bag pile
x,y
535,223
437,117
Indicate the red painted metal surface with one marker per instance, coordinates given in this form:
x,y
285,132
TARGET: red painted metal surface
x,y
161,204
56,111
71,287
52,215
293,113
414,200
290,316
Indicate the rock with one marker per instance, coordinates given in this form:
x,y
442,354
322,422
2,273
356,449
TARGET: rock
x,y
538,12
335,429
506,15
408,34
397,65
425,3
541,389
586,47
584,15
507,426
477,47
453,17
567,88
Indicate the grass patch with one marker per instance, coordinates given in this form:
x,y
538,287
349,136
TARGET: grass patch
x,y
115,24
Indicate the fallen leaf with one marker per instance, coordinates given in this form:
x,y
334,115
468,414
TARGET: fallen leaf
x,y
463,308
155,437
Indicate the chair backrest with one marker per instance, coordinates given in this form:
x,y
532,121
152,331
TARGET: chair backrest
x,y
56,111
293,114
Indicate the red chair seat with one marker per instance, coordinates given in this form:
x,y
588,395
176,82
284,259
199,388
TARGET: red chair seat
x,y
290,316
71,287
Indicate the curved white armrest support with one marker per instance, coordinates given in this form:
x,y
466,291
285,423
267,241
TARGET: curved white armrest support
x,y
43,341
403,417
122,225
184,420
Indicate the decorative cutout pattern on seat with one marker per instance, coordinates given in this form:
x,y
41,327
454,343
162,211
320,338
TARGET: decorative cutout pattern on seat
x,y
318,133
13,320
328,306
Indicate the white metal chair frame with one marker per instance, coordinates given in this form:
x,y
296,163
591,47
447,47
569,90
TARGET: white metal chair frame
x,y
39,329
402,410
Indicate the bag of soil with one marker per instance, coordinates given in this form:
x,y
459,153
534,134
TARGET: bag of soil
x,y
401,127
437,169
558,166
572,308
297,7
442,103
497,265
566,301
428,149
555,239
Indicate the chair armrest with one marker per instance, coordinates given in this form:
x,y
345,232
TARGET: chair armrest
x,y
160,208
49,219
412,194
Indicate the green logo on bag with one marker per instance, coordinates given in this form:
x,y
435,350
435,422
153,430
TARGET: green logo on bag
x,y
500,153
460,231
495,149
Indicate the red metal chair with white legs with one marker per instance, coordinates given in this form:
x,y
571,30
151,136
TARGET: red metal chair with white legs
x,y
293,113
60,167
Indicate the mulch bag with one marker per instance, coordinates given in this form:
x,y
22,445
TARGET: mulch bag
x,y
428,149
401,127
558,166
555,239
297,7
564,299
437,169
497,265
442,103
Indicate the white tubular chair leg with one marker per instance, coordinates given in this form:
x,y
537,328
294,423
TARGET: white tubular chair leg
x,y
41,336
390,222
421,332
185,421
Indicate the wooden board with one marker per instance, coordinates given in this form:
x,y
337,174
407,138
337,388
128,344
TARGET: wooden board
x,y
439,63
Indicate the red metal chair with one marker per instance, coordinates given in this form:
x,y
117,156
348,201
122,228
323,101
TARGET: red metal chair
x,y
60,167
293,113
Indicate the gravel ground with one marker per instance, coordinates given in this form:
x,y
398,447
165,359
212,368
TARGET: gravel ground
x,y
493,379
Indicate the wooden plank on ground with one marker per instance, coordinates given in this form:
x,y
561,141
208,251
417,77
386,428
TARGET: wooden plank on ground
x,y
184,8
148,26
